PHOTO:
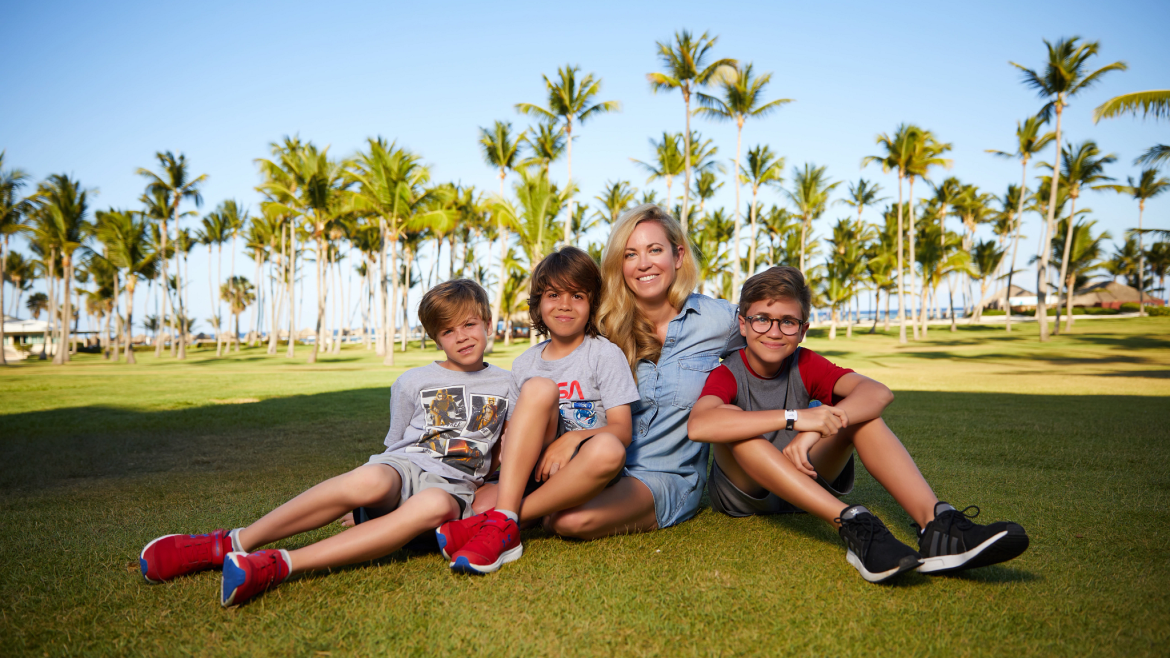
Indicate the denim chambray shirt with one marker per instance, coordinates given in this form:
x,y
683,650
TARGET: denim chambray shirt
x,y
661,455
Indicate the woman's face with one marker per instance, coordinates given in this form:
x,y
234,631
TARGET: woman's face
x,y
650,264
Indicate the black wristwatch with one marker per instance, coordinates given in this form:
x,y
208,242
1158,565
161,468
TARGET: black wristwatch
x,y
790,419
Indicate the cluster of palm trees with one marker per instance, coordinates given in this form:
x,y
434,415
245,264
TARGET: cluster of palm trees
x,y
381,209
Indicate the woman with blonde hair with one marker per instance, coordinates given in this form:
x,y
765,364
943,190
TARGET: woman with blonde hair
x,y
673,338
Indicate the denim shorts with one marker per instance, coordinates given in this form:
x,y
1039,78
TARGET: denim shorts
x,y
675,498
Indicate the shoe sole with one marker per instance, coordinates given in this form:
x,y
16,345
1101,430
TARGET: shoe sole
x,y
442,540
142,559
1000,547
233,578
463,565
907,563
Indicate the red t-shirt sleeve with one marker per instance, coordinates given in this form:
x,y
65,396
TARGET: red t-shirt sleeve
x,y
819,375
721,384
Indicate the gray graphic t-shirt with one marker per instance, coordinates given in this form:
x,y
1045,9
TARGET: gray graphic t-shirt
x,y
447,421
592,378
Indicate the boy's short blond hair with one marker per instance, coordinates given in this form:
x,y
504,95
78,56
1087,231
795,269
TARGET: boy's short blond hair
x,y
452,302
779,282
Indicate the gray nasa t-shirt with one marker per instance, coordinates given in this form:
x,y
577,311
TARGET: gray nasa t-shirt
x,y
446,421
592,378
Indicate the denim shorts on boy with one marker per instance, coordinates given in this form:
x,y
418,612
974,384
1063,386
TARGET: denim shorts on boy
x,y
661,456
415,480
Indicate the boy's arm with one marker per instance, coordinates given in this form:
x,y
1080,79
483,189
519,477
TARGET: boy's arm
x,y
862,398
713,421
559,452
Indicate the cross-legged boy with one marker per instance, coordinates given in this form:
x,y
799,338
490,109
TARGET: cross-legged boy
x,y
568,430
775,455
444,419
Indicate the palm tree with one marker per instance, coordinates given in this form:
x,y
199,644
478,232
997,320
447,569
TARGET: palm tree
x,y
861,195
12,214
1029,142
175,184
924,154
1160,263
669,161
1083,167
500,150
126,237
234,218
215,233
1085,254
898,152
688,69
810,193
64,206
238,293
849,245
1147,186
546,144
570,100
986,257
1065,75
762,168
742,93
615,198
20,272
709,237
706,186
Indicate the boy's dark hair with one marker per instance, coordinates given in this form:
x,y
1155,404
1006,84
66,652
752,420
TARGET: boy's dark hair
x,y
452,302
780,282
566,270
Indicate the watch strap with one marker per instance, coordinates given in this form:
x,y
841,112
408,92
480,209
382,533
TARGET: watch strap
x,y
790,419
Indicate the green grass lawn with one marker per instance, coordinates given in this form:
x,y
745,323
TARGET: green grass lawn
x,y
1068,438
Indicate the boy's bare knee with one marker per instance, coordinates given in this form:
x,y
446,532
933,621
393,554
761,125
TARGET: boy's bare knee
x,y
372,483
604,453
437,506
540,389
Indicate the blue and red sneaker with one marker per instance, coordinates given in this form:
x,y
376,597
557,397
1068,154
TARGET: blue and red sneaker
x,y
453,535
247,574
170,556
496,543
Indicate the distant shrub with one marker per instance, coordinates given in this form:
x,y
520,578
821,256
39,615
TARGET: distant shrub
x,y
994,311
1129,307
1098,310
1158,310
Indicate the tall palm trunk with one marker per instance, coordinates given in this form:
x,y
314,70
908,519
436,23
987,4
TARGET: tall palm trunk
x,y
751,265
257,314
497,306
3,254
408,259
1042,269
737,275
804,224
131,281
292,293
320,294
910,269
1016,241
1068,292
392,310
569,184
181,322
1141,267
162,312
901,287
686,92
220,329
833,322
105,338
277,298
62,356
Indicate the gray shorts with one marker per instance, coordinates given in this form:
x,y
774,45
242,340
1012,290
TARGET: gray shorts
x,y
414,480
727,498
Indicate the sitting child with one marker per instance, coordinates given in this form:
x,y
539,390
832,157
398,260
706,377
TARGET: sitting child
x,y
568,430
775,455
444,419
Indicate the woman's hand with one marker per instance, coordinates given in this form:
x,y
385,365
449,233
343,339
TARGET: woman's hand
x,y
797,451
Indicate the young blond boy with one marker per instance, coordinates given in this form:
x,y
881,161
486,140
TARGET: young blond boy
x,y
445,418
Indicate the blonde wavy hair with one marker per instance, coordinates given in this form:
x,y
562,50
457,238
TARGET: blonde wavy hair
x,y
619,317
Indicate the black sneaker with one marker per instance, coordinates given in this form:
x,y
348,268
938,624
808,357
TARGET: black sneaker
x,y
872,550
952,542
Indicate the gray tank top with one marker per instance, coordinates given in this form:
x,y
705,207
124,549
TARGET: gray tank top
x,y
784,391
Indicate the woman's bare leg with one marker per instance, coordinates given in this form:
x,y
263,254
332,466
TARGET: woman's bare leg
x,y
626,507
375,485
426,510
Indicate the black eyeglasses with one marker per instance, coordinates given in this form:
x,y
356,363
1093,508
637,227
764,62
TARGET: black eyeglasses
x,y
762,324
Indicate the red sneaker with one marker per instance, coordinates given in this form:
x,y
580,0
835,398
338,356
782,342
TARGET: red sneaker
x,y
247,574
176,555
496,543
453,535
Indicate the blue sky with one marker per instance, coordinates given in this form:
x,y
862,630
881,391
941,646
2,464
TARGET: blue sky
x,y
95,89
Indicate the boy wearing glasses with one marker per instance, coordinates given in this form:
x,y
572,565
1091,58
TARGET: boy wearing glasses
x,y
785,422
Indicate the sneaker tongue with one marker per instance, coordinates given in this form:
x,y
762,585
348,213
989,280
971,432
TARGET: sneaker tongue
x,y
852,511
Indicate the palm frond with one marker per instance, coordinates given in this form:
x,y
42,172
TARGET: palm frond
x,y
1155,102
